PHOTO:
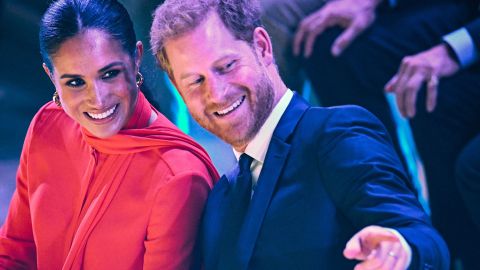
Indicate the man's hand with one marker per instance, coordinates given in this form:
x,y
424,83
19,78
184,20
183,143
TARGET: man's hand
x,y
378,248
426,67
353,15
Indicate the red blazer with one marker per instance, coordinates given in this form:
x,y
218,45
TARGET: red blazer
x,y
131,201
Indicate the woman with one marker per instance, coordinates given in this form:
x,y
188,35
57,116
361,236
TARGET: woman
x,y
105,181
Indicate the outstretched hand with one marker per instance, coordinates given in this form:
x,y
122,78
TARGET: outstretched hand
x,y
353,15
378,248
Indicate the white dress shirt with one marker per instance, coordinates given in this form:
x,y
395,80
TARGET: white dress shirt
x,y
258,146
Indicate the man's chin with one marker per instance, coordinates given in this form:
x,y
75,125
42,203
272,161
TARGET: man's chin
x,y
238,142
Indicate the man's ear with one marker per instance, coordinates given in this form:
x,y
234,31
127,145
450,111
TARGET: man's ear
x,y
263,45
49,73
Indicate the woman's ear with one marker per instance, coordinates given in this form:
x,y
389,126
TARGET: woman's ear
x,y
49,73
138,54
263,45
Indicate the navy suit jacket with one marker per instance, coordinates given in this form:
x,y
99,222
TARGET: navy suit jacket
x,y
328,173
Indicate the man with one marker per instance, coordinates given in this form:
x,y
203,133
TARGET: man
x,y
438,88
325,190
467,172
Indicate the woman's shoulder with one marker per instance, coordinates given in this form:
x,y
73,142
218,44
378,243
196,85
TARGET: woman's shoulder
x,y
50,119
48,113
169,166
180,161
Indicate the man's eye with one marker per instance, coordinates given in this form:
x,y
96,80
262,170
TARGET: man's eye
x,y
196,81
75,83
111,74
230,65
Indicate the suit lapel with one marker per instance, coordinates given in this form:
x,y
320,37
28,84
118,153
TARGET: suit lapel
x,y
212,224
275,159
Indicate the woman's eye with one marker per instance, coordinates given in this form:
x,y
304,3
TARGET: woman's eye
x,y
111,74
75,83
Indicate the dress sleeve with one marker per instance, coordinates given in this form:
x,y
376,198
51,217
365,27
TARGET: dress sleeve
x,y
17,247
174,222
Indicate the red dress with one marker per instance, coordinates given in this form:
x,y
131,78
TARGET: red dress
x,y
130,201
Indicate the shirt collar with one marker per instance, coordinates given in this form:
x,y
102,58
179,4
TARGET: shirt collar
x,y
258,146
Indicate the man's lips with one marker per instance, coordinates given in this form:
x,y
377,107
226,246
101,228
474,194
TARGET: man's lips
x,y
230,108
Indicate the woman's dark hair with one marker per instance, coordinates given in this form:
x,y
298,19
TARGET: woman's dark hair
x,y
65,19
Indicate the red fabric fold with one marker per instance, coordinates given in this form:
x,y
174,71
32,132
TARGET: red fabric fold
x,y
136,137
140,137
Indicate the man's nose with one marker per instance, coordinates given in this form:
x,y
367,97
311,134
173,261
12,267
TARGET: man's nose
x,y
215,88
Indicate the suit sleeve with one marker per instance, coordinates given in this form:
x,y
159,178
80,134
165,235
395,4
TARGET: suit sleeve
x,y
17,247
366,180
174,222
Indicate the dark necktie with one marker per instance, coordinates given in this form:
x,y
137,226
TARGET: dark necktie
x,y
242,188
239,195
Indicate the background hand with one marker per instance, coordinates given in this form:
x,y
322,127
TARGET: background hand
x,y
353,15
378,248
426,67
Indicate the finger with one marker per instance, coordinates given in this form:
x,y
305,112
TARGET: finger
x,y
389,86
362,243
399,100
402,260
404,74
304,28
432,91
345,39
405,64
376,236
400,89
393,256
317,28
377,257
401,263
353,249
297,41
411,91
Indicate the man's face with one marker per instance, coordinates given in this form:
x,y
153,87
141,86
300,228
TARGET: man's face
x,y
223,81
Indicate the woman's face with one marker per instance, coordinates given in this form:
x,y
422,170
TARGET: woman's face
x,y
95,79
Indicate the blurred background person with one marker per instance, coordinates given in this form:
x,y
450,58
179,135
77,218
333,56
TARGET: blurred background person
x,y
355,50
468,178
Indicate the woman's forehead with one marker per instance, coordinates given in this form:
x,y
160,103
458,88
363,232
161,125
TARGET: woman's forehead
x,y
89,50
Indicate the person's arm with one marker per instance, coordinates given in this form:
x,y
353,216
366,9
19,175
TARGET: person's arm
x,y
17,247
460,49
464,44
174,222
367,182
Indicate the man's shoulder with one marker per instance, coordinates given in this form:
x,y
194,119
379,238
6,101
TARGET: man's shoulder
x,y
318,117
322,126
338,111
